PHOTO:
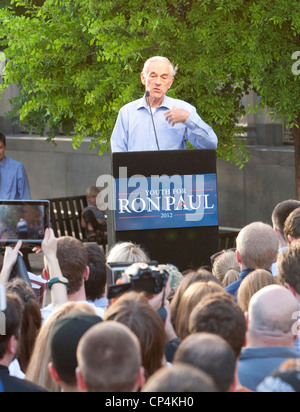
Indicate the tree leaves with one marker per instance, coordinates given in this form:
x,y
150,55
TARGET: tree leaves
x,y
78,62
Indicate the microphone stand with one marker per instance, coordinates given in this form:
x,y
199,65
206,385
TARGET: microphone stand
x,y
154,128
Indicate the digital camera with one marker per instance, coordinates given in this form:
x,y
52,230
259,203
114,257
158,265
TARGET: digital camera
x,y
142,278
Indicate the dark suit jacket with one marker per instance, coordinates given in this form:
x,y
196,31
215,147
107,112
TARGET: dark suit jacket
x,y
11,384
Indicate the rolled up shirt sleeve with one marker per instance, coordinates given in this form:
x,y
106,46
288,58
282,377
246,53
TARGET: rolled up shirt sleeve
x,y
200,135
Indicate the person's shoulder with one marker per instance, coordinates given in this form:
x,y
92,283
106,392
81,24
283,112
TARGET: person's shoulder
x,y
46,312
98,310
233,287
12,384
13,164
134,105
182,104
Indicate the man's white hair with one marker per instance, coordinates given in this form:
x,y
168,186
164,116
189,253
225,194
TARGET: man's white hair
x,y
174,69
258,246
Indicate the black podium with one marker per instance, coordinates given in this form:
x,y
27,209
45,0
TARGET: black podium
x,y
166,201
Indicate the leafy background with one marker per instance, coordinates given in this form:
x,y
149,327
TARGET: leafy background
x,y
78,62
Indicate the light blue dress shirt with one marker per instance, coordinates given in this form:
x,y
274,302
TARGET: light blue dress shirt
x,y
13,181
275,265
134,129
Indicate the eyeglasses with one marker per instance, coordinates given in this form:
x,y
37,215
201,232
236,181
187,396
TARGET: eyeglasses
x,y
214,257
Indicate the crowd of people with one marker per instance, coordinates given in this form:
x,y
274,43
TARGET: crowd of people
x,y
229,328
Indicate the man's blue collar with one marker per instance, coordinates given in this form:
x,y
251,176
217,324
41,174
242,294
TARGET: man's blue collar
x,y
166,104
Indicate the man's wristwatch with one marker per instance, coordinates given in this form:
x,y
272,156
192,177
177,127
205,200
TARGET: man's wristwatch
x,y
62,280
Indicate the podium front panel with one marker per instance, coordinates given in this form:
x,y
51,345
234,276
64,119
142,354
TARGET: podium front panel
x,y
189,245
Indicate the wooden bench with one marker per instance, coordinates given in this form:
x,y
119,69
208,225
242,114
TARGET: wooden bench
x,y
227,238
65,218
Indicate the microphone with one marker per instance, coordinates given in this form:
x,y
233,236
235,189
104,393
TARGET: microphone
x,y
154,128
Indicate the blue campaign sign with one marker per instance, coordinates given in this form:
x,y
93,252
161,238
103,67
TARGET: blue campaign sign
x,y
162,202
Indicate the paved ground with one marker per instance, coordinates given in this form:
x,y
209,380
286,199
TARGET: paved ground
x,y
37,263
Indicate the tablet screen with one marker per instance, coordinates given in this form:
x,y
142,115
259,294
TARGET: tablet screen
x,y
23,220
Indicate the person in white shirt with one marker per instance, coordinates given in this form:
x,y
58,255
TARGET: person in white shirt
x,y
95,285
279,217
73,263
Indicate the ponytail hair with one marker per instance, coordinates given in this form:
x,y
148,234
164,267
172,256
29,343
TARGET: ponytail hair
x,y
226,268
31,319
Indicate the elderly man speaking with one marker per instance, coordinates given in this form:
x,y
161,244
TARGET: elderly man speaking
x,y
159,122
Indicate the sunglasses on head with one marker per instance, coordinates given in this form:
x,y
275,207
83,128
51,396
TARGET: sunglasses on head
x,y
214,257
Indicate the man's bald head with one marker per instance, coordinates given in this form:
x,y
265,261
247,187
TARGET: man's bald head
x,y
271,316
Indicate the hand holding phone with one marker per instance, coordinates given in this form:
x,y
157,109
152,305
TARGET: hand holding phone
x,y
49,244
10,259
11,255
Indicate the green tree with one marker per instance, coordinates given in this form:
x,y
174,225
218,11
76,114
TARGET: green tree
x,y
77,62
4,3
